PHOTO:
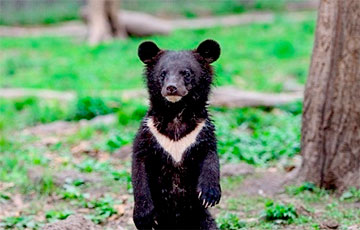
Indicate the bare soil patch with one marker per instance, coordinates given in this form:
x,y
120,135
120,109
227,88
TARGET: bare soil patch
x,y
73,222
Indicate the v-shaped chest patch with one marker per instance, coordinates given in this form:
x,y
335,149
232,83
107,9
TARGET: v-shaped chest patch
x,y
176,149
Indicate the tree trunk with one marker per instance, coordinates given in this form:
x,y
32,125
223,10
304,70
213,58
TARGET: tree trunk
x,y
330,143
103,21
117,27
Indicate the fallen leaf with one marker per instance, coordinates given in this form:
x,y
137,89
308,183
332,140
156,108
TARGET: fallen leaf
x,y
120,208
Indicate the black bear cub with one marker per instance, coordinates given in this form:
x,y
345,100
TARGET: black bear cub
x,y
175,166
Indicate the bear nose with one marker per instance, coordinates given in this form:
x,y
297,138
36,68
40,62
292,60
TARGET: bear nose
x,y
171,89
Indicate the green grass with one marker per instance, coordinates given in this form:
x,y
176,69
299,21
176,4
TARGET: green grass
x,y
253,135
279,212
257,135
254,57
21,152
229,221
35,12
19,222
191,9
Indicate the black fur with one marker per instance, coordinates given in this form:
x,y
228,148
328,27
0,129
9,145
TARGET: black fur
x,y
167,193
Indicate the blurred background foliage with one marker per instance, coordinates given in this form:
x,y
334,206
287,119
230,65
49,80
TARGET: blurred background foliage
x,y
265,57
30,12
261,57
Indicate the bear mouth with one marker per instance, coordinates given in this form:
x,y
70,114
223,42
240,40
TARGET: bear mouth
x,y
173,98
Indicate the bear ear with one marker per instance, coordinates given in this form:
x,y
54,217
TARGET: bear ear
x,y
147,50
209,50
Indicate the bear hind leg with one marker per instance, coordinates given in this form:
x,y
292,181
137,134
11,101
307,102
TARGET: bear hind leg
x,y
207,222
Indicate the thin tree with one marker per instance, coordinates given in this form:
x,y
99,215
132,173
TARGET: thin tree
x,y
103,21
330,143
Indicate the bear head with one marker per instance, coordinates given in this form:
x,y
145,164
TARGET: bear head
x,y
178,77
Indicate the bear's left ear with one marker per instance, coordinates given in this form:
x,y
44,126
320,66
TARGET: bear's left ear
x,y
209,50
147,50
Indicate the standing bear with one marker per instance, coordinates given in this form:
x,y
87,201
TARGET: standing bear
x,y
175,166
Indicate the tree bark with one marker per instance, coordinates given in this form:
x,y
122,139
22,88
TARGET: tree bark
x,y
103,21
116,25
330,143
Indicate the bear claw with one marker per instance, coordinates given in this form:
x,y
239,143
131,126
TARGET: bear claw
x,y
209,197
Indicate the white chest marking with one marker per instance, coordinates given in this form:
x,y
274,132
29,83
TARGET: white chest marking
x,y
175,148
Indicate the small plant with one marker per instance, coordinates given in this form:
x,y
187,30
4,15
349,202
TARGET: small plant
x,y
57,215
45,184
294,108
230,222
18,222
283,49
4,196
91,165
20,104
121,176
279,212
117,141
78,182
352,194
124,177
306,186
90,107
104,208
133,111
72,191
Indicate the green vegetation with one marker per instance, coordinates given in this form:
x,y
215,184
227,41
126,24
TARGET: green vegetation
x,y
54,215
257,135
191,9
229,222
20,113
279,212
253,135
279,52
22,152
18,222
32,12
103,209
306,186
352,194
258,126
90,107
35,12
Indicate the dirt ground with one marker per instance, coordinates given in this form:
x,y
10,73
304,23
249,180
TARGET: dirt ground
x,y
255,182
245,188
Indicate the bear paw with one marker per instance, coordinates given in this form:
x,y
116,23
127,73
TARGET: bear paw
x,y
209,196
145,219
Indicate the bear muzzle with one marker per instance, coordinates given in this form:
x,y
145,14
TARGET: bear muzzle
x,y
173,99
173,93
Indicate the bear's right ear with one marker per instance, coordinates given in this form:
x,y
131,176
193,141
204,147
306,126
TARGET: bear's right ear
x,y
209,50
147,50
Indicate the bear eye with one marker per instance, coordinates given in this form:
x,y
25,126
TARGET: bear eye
x,y
187,75
163,75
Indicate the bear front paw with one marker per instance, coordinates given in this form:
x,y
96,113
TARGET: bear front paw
x,y
145,219
209,196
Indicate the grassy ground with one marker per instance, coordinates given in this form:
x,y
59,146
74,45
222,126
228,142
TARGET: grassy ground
x,y
190,9
254,57
46,174
255,136
50,172
35,12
